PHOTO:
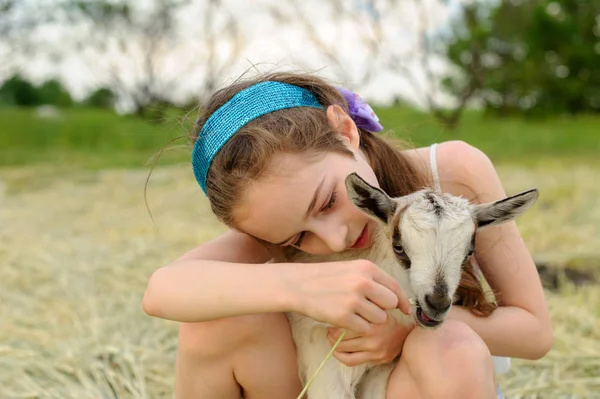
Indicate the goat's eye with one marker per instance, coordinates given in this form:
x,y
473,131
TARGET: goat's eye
x,y
398,249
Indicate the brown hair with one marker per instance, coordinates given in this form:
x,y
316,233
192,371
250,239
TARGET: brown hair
x,y
247,155
471,294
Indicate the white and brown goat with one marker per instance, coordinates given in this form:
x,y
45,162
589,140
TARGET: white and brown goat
x,y
423,240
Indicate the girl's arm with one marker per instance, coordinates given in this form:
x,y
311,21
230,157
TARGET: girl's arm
x,y
521,326
227,277
223,277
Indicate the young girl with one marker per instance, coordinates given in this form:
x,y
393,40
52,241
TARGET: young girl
x,y
272,155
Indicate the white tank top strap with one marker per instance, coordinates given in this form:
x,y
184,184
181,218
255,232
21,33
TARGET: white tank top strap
x,y
435,176
501,364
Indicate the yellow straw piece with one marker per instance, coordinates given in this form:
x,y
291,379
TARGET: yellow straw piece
x,y
308,384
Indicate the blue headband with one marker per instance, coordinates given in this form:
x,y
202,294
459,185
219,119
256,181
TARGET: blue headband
x,y
247,105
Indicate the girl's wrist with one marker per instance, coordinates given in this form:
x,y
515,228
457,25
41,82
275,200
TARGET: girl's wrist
x,y
288,276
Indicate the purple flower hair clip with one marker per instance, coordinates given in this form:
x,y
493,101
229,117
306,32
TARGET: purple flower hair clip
x,y
361,113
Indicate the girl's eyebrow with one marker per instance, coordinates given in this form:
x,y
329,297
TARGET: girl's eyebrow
x,y
311,207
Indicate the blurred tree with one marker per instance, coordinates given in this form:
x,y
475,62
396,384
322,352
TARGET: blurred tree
x,y
52,92
20,92
391,37
529,56
565,43
20,21
135,49
10,30
101,98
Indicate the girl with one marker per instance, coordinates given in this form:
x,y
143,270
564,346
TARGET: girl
x,y
272,155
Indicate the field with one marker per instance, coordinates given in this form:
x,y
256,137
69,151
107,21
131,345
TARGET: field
x,y
77,247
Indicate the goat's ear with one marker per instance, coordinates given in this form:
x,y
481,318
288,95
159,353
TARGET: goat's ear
x,y
504,210
371,200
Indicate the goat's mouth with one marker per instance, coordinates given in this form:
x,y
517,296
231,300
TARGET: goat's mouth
x,y
425,320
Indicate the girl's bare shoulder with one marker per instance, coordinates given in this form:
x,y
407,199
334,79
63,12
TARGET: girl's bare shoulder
x,y
463,170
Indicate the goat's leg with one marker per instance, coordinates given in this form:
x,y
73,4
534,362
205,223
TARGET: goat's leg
x,y
374,385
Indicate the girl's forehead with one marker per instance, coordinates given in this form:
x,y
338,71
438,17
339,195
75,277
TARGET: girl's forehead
x,y
288,165
287,170
286,181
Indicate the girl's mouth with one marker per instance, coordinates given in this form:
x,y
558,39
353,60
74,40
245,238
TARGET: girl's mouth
x,y
362,240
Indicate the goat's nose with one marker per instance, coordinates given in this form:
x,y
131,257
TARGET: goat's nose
x,y
440,303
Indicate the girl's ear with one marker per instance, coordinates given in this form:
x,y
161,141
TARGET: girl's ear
x,y
344,125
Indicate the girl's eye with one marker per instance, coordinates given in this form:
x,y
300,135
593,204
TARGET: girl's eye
x,y
330,202
327,206
398,249
298,242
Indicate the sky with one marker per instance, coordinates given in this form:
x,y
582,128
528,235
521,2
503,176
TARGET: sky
x,y
269,43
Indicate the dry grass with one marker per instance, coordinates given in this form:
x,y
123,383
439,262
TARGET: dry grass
x,y
76,251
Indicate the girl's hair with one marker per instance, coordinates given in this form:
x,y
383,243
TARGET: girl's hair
x,y
246,156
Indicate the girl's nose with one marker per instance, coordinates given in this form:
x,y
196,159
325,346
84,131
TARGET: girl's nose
x,y
334,236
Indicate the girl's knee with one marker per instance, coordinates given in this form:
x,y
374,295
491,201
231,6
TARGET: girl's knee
x,y
452,360
459,349
451,340
468,366
218,337
458,341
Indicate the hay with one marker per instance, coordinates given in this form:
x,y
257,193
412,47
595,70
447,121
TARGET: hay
x,y
77,249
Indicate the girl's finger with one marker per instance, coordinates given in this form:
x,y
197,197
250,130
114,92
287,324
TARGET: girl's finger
x,y
386,280
358,325
404,302
353,359
351,345
382,296
335,333
372,313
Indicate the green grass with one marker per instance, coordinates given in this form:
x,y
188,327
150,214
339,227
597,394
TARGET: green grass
x,y
99,138
87,137
504,139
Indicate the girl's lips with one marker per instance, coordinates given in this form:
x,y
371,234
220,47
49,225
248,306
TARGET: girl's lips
x,y
362,240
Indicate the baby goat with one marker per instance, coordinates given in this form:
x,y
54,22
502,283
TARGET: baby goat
x,y
423,241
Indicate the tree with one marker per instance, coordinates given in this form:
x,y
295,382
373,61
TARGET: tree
x,y
139,53
20,92
529,56
52,92
101,98
565,41
393,37
20,22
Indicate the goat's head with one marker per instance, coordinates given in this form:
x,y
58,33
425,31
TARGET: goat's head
x,y
432,235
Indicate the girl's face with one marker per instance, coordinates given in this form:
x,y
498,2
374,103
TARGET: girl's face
x,y
302,200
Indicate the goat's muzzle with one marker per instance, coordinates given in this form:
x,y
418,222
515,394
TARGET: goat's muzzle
x,y
424,320
438,303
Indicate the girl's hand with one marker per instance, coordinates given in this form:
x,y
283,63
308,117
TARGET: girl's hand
x,y
379,346
350,294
